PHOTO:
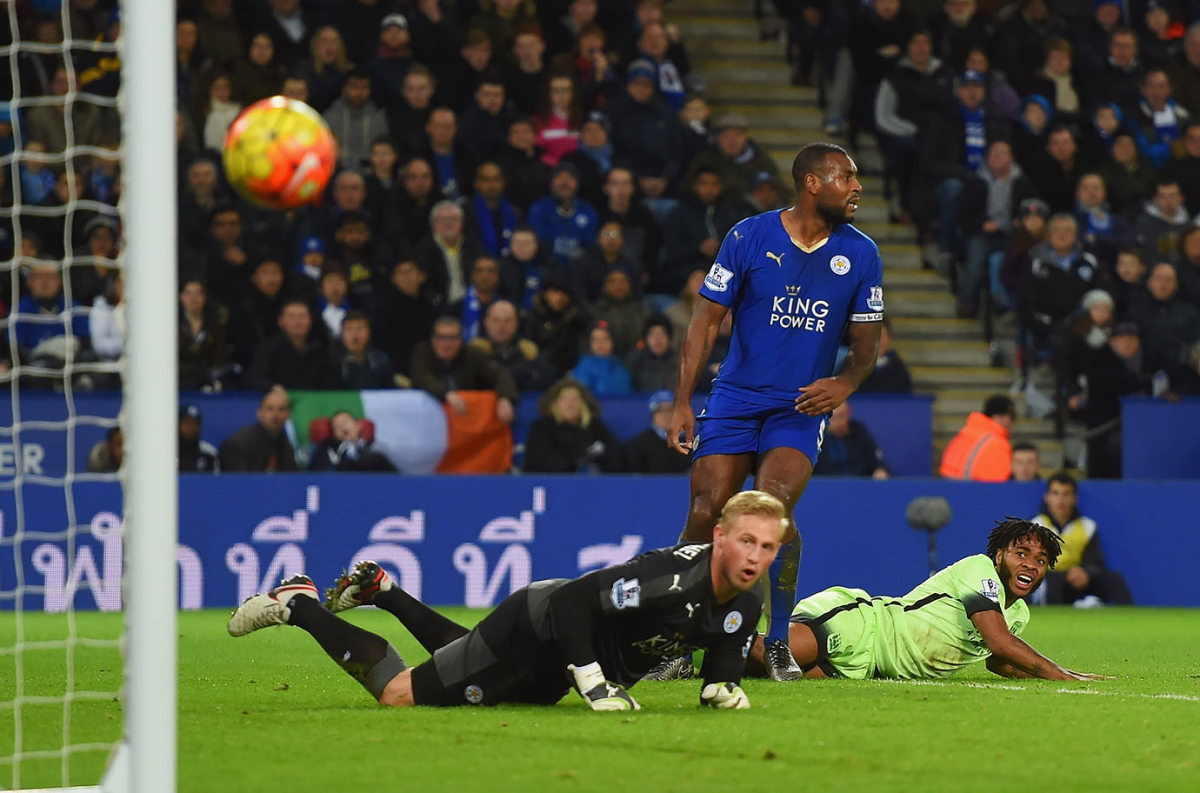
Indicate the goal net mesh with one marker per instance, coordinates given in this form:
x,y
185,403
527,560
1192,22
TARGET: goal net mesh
x,y
60,455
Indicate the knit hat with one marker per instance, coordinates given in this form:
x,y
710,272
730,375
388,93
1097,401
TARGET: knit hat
x,y
399,20
1096,297
640,69
1033,206
661,399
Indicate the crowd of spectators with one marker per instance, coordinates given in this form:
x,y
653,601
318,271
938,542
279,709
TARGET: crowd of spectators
x,y
555,160
540,179
1049,155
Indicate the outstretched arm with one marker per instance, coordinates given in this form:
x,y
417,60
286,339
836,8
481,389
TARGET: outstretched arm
x,y
1014,657
822,396
697,347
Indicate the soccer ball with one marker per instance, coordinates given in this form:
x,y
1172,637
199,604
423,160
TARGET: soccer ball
x,y
279,153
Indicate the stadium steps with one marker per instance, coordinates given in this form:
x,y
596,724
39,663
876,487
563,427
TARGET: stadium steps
x,y
717,7
767,75
737,22
934,328
749,77
925,352
705,46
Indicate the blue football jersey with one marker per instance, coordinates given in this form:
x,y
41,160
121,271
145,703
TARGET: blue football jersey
x,y
790,305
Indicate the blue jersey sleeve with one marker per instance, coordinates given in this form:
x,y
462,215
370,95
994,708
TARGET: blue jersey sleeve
x,y
725,277
868,300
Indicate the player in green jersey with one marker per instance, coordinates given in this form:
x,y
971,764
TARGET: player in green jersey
x,y
970,611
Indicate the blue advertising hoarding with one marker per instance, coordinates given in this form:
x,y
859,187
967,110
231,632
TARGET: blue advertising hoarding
x,y
472,540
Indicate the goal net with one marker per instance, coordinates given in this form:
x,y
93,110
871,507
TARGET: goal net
x,y
88,344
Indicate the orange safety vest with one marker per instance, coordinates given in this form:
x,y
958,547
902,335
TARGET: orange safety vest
x,y
979,452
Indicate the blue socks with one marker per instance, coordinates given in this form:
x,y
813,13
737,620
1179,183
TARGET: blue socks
x,y
784,572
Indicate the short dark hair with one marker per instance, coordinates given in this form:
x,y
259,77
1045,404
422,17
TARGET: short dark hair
x,y
485,257
295,301
221,208
1166,180
1013,529
333,270
999,405
811,157
1024,446
448,319
357,315
1063,478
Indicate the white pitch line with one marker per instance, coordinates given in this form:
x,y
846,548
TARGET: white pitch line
x,y
1006,687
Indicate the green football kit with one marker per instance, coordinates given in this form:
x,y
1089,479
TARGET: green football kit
x,y
927,633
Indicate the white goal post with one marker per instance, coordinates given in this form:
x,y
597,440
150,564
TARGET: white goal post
x,y
151,385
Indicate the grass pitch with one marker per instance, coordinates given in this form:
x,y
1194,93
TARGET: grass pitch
x,y
269,712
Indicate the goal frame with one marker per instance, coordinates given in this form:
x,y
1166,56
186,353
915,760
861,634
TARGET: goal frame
x,y
150,414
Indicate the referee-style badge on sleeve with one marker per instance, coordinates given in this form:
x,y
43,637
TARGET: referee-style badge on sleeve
x,y
875,301
718,278
991,589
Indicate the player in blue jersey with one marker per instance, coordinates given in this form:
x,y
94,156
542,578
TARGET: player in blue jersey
x,y
795,279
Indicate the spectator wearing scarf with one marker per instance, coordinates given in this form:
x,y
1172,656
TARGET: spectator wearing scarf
x,y
490,212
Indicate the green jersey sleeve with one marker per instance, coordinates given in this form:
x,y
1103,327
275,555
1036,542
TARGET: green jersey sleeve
x,y
976,584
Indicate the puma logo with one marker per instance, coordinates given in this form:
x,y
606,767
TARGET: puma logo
x,y
675,587
778,257
691,607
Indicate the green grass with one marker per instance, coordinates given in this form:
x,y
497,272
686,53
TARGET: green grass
x,y
269,712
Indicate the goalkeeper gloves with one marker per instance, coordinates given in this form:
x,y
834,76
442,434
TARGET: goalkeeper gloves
x,y
601,694
724,696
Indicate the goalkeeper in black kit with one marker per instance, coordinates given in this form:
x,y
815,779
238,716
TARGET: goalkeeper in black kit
x,y
599,633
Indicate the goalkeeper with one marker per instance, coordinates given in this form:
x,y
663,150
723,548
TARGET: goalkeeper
x,y
599,633
970,611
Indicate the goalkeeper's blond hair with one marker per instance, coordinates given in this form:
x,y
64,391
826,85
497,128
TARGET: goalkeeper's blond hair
x,y
754,502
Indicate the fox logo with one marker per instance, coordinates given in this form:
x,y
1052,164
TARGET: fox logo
x,y
777,257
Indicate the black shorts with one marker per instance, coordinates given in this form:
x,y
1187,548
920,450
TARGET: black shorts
x,y
502,659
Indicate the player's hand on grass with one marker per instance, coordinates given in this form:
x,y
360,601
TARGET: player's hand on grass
x,y
683,422
822,396
601,694
725,696
1088,675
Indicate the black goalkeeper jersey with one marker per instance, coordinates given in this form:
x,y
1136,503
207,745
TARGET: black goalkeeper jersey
x,y
631,616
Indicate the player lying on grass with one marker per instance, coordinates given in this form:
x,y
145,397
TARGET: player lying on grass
x,y
972,610
601,632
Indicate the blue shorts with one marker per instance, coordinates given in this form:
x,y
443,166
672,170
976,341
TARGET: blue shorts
x,y
730,425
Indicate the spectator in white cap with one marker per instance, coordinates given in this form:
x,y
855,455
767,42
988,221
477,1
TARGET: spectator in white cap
x,y
392,60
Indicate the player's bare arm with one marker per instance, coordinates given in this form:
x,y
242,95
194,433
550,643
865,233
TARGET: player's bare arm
x,y
697,347
822,396
1013,655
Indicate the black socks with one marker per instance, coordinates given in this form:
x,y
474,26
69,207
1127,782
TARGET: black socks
x,y
428,627
367,658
